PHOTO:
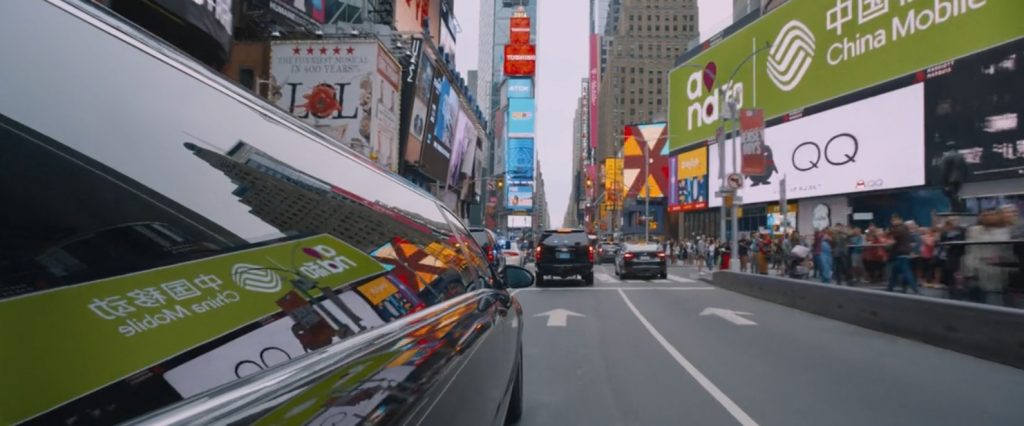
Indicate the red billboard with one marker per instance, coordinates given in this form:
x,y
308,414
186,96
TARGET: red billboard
x,y
520,60
519,31
752,142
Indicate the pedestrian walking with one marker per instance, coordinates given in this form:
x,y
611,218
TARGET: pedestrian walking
x,y
900,252
825,257
744,253
840,255
855,243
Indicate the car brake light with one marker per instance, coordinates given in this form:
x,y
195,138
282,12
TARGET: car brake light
x,y
661,254
628,256
536,254
590,253
490,256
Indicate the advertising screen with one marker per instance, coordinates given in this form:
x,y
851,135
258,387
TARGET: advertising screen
x,y
976,107
520,159
821,50
689,181
445,121
464,141
520,60
348,90
652,138
873,144
613,182
520,118
519,30
422,73
520,87
520,197
520,221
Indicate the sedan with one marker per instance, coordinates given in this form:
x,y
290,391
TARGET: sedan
x,y
641,260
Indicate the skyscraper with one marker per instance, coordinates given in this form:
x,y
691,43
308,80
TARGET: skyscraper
x,y
494,30
644,37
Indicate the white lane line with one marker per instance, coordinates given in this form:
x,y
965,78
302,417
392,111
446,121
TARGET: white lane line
x,y
716,393
614,288
679,279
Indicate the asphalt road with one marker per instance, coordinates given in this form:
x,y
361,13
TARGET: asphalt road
x,y
641,353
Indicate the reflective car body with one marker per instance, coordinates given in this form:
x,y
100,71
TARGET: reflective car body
x,y
488,241
182,252
645,260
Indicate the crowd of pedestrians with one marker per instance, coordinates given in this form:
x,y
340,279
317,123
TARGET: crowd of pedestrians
x,y
901,256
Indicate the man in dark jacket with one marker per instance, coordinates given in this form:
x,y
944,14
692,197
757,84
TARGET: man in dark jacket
x,y
900,256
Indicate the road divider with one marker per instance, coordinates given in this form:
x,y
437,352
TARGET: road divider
x,y
990,332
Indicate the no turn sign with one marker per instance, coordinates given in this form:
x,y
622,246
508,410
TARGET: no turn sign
x,y
734,181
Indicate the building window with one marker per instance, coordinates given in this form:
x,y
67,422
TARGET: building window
x,y
247,78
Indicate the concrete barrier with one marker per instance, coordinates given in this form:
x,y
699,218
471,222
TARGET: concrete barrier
x,y
990,332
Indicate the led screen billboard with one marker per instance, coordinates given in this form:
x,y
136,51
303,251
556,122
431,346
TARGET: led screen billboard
x,y
519,159
873,144
820,50
975,106
651,138
463,142
522,221
520,196
520,60
689,180
521,117
519,87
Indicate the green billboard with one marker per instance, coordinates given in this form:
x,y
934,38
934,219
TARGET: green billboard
x,y
60,344
809,51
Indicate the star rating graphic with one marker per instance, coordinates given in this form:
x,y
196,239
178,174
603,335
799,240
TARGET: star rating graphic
x,y
324,50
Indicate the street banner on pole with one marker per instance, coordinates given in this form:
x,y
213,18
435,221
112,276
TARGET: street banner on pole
x,y
752,141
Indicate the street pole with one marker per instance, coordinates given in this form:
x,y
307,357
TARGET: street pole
x,y
734,241
647,200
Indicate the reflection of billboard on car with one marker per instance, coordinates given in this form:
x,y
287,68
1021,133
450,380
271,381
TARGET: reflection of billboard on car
x,y
873,144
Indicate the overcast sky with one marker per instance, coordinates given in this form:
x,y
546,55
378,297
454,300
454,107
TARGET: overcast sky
x,y
561,64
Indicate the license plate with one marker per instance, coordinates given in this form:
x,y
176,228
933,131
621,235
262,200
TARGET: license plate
x,y
562,256
645,257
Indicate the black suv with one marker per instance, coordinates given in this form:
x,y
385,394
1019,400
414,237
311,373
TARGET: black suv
x,y
564,253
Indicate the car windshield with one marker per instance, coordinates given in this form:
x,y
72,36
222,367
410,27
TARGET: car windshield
x,y
564,239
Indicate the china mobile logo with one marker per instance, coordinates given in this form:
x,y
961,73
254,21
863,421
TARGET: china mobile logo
x,y
791,55
256,278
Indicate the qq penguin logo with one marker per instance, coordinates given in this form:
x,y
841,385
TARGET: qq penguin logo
x,y
256,278
791,55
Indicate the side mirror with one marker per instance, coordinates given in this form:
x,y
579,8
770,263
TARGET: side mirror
x,y
516,277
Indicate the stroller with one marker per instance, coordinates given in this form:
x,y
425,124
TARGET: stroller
x,y
798,262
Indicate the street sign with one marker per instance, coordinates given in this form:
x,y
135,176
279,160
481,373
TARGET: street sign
x,y
734,181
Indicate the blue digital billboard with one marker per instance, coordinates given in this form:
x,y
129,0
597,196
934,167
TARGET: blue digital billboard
x,y
520,117
519,158
520,88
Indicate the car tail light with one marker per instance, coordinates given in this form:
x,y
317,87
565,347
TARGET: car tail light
x,y
536,254
628,256
590,253
490,256
661,255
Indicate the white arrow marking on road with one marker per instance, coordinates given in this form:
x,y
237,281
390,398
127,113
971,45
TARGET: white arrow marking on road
x,y
559,317
729,315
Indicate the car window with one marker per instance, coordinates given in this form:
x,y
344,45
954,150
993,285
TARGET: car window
x,y
564,239
481,238
183,249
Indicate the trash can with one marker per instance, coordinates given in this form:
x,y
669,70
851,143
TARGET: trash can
x,y
725,261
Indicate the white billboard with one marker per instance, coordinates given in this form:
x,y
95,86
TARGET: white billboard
x,y
346,88
873,144
520,221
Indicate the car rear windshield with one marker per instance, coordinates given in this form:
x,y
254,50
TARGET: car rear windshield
x,y
480,237
564,239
